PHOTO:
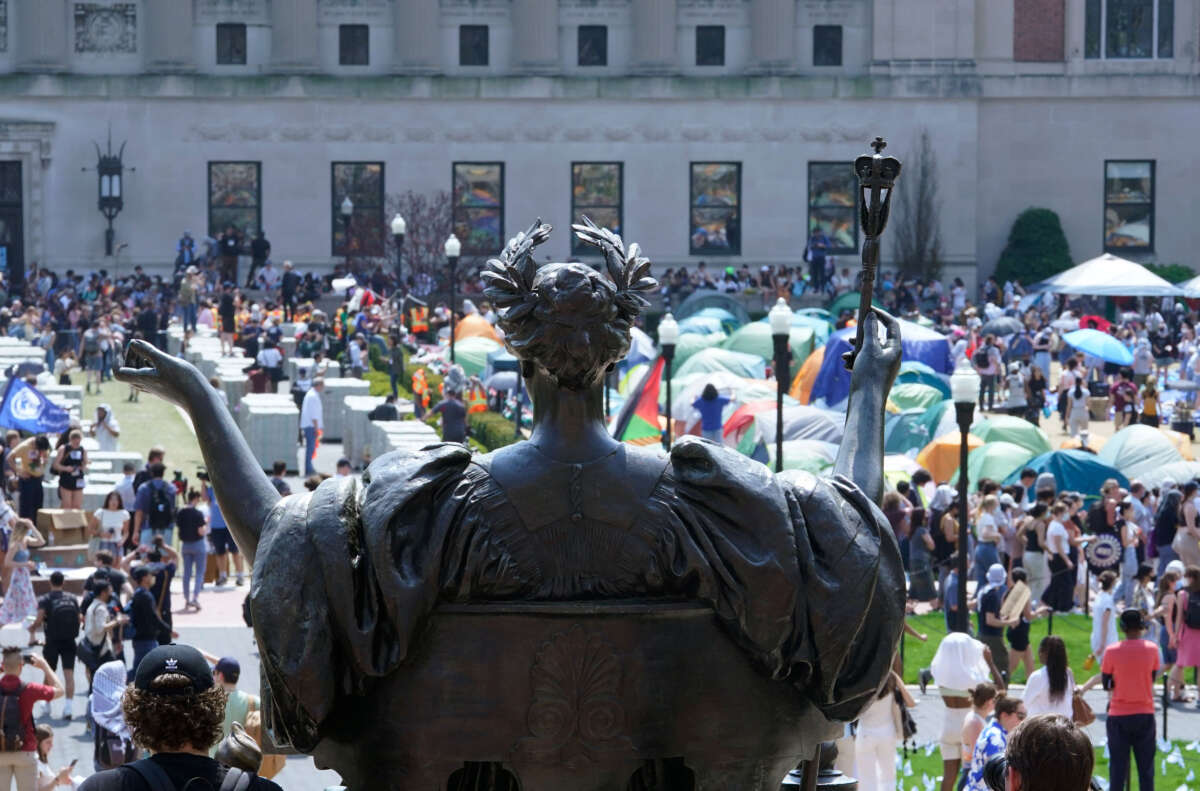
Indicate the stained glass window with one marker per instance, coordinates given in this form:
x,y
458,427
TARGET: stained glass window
x,y
362,182
479,206
596,191
1128,205
234,197
715,224
833,204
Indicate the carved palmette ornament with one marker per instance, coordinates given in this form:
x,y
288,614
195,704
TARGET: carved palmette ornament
x,y
576,710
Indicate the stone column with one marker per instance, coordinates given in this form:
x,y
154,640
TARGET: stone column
x,y
42,36
535,36
169,42
294,36
418,37
773,35
654,33
1074,33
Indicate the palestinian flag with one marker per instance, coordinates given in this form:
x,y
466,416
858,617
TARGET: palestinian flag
x,y
637,422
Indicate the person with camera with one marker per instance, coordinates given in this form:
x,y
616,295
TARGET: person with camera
x,y
174,709
18,743
993,741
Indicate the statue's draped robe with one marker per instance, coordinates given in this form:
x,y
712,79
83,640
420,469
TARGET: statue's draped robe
x,y
803,572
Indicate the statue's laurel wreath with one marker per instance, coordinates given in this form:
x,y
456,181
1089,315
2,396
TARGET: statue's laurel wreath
x,y
509,278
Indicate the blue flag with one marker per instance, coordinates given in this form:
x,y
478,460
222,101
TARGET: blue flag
x,y
27,409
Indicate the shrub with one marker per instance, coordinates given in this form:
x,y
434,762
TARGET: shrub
x,y
1172,273
491,429
1037,248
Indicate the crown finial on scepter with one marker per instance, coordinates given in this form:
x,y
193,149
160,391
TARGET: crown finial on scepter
x,y
879,144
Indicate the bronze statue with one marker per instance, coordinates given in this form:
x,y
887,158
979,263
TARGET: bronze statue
x,y
567,611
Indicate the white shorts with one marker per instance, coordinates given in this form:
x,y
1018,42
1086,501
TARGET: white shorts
x,y
952,725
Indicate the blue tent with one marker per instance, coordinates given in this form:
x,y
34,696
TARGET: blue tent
x,y
1073,471
920,344
905,431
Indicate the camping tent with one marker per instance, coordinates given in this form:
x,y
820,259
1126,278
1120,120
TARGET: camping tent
x,y
713,359
913,371
940,457
739,390
755,338
810,455
1073,471
1005,428
799,422
472,353
1190,288
1137,450
904,432
802,384
821,327
918,343
995,460
699,300
1108,276
474,326
1180,472
692,342
848,301
913,395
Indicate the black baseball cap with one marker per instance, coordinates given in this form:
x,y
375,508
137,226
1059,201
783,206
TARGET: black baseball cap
x,y
174,659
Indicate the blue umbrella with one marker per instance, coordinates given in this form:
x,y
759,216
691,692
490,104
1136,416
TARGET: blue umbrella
x,y
1100,344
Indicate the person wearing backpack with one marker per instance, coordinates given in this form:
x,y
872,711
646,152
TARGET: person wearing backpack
x,y
175,710
1187,626
18,743
987,361
144,616
58,616
154,507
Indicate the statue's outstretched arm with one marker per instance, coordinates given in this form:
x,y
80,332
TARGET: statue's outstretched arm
x,y
243,490
860,457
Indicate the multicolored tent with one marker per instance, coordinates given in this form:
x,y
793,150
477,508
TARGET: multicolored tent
x,y
713,359
918,344
755,338
940,456
637,422
1005,428
754,423
802,384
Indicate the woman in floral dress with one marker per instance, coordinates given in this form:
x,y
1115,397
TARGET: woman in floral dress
x,y
19,600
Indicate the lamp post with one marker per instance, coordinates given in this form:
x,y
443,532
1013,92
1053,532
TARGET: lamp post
x,y
964,390
399,227
109,168
668,336
452,249
347,214
780,319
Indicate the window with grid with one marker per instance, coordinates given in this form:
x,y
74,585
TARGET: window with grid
x,y
1122,29
827,45
231,44
596,192
478,199
362,182
833,205
472,45
234,197
710,45
354,45
714,221
1128,205
593,45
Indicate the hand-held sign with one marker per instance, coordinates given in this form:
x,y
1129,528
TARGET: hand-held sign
x,y
877,175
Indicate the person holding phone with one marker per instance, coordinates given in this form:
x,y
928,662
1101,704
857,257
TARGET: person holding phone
x,y
47,778
20,764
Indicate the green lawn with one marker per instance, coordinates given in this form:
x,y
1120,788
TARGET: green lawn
x,y
1176,776
147,422
1076,630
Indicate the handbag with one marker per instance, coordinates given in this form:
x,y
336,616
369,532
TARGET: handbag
x,y
1081,711
908,725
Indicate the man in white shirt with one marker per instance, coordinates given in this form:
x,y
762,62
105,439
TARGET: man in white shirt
x,y
312,420
268,278
125,486
106,429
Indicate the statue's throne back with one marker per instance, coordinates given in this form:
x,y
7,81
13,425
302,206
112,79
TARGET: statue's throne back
x,y
590,696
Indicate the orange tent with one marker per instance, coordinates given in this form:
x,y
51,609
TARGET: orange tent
x,y
475,326
940,457
802,385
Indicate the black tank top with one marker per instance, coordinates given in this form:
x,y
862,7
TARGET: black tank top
x,y
1032,543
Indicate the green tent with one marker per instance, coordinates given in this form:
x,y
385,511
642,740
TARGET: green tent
x,y
995,460
755,338
690,343
905,431
713,358
1005,428
1139,450
848,301
472,354
925,378
809,455
913,395
819,313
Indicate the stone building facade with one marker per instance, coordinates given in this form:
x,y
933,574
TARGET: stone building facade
x,y
716,130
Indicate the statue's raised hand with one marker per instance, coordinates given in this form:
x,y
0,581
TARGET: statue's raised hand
x,y
878,362
152,371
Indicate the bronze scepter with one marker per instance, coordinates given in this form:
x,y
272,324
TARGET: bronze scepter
x,y
877,175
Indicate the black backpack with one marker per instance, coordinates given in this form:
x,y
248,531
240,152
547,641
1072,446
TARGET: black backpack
x,y
156,778
62,618
12,732
1191,616
980,357
162,505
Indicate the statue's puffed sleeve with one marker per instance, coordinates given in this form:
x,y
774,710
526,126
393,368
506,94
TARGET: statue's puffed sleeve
x,y
804,571
343,577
